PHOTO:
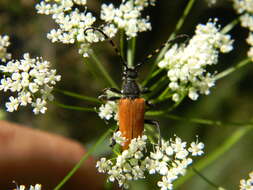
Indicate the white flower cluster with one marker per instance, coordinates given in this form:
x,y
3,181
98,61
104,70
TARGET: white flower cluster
x,y
126,17
36,187
72,23
186,64
169,160
108,110
4,43
247,184
245,7
32,80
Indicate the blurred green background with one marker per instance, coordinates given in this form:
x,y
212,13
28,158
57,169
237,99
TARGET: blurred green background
x,y
230,99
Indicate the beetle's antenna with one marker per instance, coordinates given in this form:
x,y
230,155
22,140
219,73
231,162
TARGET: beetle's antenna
x,y
154,52
110,41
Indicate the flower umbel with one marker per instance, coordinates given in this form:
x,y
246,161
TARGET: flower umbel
x,y
32,80
73,22
126,17
170,160
186,64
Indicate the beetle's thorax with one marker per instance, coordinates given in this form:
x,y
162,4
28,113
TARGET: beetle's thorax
x,y
130,88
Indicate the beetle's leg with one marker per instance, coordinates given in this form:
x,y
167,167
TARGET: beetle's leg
x,y
106,98
155,123
113,90
102,97
112,142
113,98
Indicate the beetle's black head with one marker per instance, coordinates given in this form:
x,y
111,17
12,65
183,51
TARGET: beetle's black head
x,y
131,73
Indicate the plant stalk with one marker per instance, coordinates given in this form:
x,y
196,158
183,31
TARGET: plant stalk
x,y
85,156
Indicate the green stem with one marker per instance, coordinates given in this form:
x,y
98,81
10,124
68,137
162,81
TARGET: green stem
x,y
176,104
78,96
76,108
163,94
232,69
205,178
152,75
230,26
157,87
122,40
131,52
177,28
103,71
85,156
197,120
227,145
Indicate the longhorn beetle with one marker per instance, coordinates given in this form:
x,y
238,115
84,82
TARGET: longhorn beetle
x,y
131,107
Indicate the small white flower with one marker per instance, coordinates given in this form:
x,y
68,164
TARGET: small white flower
x,y
165,184
80,2
5,84
107,12
54,35
22,187
162,168
196,149
103,165
108,110
193,94
25,98
178,145
39,106
169,150
12,105
84,49
247,184
211,2
175,97
158,155
4,43
110,30
33,87
36,187
182,154
118,138
138,155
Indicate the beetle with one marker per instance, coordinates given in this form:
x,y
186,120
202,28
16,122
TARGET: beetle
x,y
131,106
